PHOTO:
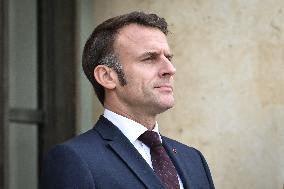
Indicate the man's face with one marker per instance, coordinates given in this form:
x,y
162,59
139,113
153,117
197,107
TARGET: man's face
x,y
145,57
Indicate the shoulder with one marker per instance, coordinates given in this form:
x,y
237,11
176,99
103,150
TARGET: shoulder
x,y
69,151
78,146
63,167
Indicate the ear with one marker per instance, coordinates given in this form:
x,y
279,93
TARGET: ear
x,y
105,76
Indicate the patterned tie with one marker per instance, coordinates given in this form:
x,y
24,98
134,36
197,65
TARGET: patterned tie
x,y
162,164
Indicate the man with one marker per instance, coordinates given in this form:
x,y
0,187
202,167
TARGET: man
x,y
128,61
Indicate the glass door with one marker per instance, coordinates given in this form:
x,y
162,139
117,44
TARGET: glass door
x,y
23,95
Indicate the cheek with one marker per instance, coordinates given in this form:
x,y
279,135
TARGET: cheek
x,y
140,79
139,88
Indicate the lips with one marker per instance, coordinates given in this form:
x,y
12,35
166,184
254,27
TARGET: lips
x,y
164,87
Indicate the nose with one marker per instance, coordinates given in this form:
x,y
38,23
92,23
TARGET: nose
x,y
167,68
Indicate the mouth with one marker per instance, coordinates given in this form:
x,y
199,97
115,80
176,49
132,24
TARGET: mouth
x,y
165,87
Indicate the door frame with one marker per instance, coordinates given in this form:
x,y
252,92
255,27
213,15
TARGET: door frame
x,y
55,116
57,71
3,92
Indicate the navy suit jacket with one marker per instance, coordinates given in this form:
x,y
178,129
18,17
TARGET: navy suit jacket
x,y
103,158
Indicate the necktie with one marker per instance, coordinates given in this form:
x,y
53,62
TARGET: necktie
x,y
162,164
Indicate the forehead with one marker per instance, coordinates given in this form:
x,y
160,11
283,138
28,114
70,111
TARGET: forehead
x,y
138,39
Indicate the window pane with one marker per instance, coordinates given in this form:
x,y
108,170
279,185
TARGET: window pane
x,y
22,57
22,54
22,151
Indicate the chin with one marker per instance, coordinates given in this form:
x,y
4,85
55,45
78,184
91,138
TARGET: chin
x,y
168,102
167,105
162,104
162,109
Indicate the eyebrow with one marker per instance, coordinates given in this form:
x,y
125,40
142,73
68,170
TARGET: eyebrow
x,y
154,54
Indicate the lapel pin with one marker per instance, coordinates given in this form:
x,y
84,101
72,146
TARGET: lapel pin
x,y
175,150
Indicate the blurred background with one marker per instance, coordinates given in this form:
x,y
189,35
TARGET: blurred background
x,y
229,85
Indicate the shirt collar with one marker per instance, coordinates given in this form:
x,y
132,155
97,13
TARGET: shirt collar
x,y
131,129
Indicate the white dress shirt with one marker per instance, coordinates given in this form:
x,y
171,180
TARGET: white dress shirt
x,y
132,130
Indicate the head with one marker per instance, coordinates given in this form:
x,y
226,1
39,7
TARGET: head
x,y
99,48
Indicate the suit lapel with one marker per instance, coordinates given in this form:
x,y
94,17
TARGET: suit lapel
x,y
179,163
128,153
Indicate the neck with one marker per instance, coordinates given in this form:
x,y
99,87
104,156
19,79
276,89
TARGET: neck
x,y
147,121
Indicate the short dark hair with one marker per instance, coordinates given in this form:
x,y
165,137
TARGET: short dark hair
x,y
99,50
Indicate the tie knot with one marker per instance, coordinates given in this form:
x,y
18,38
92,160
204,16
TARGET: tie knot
x,y
150,138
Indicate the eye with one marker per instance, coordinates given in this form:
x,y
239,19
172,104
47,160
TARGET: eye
x,y
169,57
150,58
